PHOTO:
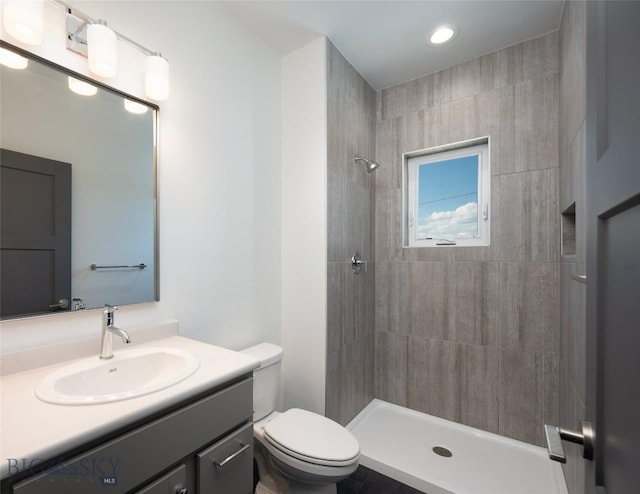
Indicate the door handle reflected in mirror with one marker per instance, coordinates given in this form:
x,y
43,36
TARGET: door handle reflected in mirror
x,y
63,303
555,435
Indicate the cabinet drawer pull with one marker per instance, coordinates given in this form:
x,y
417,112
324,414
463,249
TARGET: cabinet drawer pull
x,y
231,457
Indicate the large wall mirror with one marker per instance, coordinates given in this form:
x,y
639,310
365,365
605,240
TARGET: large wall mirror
x,y
78,192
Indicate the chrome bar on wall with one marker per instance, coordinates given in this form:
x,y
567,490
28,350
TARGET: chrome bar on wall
x,y
95,267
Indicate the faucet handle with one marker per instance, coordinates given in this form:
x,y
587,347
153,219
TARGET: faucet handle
x,y
108,315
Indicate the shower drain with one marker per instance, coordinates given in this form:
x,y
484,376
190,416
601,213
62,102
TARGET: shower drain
x,y
440,451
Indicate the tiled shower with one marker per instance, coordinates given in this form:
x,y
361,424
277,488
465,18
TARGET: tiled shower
x,y
470,334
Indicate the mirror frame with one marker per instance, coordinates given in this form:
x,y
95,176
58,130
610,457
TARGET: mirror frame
x,y
156,273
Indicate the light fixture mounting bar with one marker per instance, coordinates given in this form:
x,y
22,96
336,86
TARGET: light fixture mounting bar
x,y
76,31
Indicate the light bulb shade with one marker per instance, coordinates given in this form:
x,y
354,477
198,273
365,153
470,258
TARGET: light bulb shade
x,y
81,87
102,50
24,20
156,77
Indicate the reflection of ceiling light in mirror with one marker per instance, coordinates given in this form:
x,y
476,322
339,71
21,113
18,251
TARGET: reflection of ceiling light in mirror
x,y
134,107
156,77
81,87
24,20
102,49
12,60
442,35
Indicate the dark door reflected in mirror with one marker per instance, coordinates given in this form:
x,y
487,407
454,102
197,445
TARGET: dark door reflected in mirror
x,y
78,189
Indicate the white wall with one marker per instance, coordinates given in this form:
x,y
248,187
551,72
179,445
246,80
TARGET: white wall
x,y
219,175
304,226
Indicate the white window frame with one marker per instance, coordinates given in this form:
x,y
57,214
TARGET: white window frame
x,y
412,160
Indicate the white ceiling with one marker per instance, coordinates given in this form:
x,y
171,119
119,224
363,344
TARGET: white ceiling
x,y
387,41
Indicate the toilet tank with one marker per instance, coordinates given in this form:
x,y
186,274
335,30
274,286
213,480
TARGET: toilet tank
x,y
266,378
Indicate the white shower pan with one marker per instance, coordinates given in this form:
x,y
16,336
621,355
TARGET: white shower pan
x,y
438,456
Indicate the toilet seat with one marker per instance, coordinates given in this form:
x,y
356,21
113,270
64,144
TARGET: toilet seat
x,y
312,438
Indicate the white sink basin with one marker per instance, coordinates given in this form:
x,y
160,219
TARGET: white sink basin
x,y
130,373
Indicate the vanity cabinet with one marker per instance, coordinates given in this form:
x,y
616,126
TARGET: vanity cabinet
x,y
205,446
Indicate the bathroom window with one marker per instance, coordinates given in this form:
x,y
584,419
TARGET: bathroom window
x,y
446,195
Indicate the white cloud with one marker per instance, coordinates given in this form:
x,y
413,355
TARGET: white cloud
x,y
460,223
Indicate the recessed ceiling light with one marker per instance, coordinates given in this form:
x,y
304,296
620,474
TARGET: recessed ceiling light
x,y
442,35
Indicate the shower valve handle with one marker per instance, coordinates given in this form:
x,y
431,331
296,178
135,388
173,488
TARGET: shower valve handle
x,y
357,263
555,435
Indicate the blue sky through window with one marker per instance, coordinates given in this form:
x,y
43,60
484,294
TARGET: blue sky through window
x,y
448,198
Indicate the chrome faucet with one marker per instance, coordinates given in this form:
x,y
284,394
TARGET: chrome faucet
x,y
108,330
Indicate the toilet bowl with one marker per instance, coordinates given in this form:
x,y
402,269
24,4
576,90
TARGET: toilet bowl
x,y
297,451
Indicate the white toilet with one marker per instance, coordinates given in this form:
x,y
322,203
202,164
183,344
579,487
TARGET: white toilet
x,y
297,451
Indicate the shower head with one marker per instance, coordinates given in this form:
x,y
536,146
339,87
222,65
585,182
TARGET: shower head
x,y
371,165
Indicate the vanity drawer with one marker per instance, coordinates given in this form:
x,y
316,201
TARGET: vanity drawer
x,y
172,483
227,466
131,459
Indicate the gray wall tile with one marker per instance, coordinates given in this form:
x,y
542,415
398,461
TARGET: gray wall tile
x,y
489,123
455,381
411,298
529,301
505,147
493,71
575,331
355,217
551,404
336,219
391,367
480,391
521,396
333,391
541,55
394,101
435,374
473,313
389,148
573,42
536,125
388,218
463,119
427,128
466,79
529,216
334,307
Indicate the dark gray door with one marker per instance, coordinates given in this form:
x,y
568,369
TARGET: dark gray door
x,y
613,245
35,236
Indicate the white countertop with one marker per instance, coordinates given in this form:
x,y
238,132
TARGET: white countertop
x,y
33,430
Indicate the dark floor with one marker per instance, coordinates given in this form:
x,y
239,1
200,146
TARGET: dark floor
x,y
366,481
363,481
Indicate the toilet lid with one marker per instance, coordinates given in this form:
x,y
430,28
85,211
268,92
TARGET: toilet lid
x,y
312,437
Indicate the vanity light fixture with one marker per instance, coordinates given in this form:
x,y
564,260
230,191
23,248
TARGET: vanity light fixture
x,y
24,20
81,87
93,39
12,60
441,35
102,49
135,107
